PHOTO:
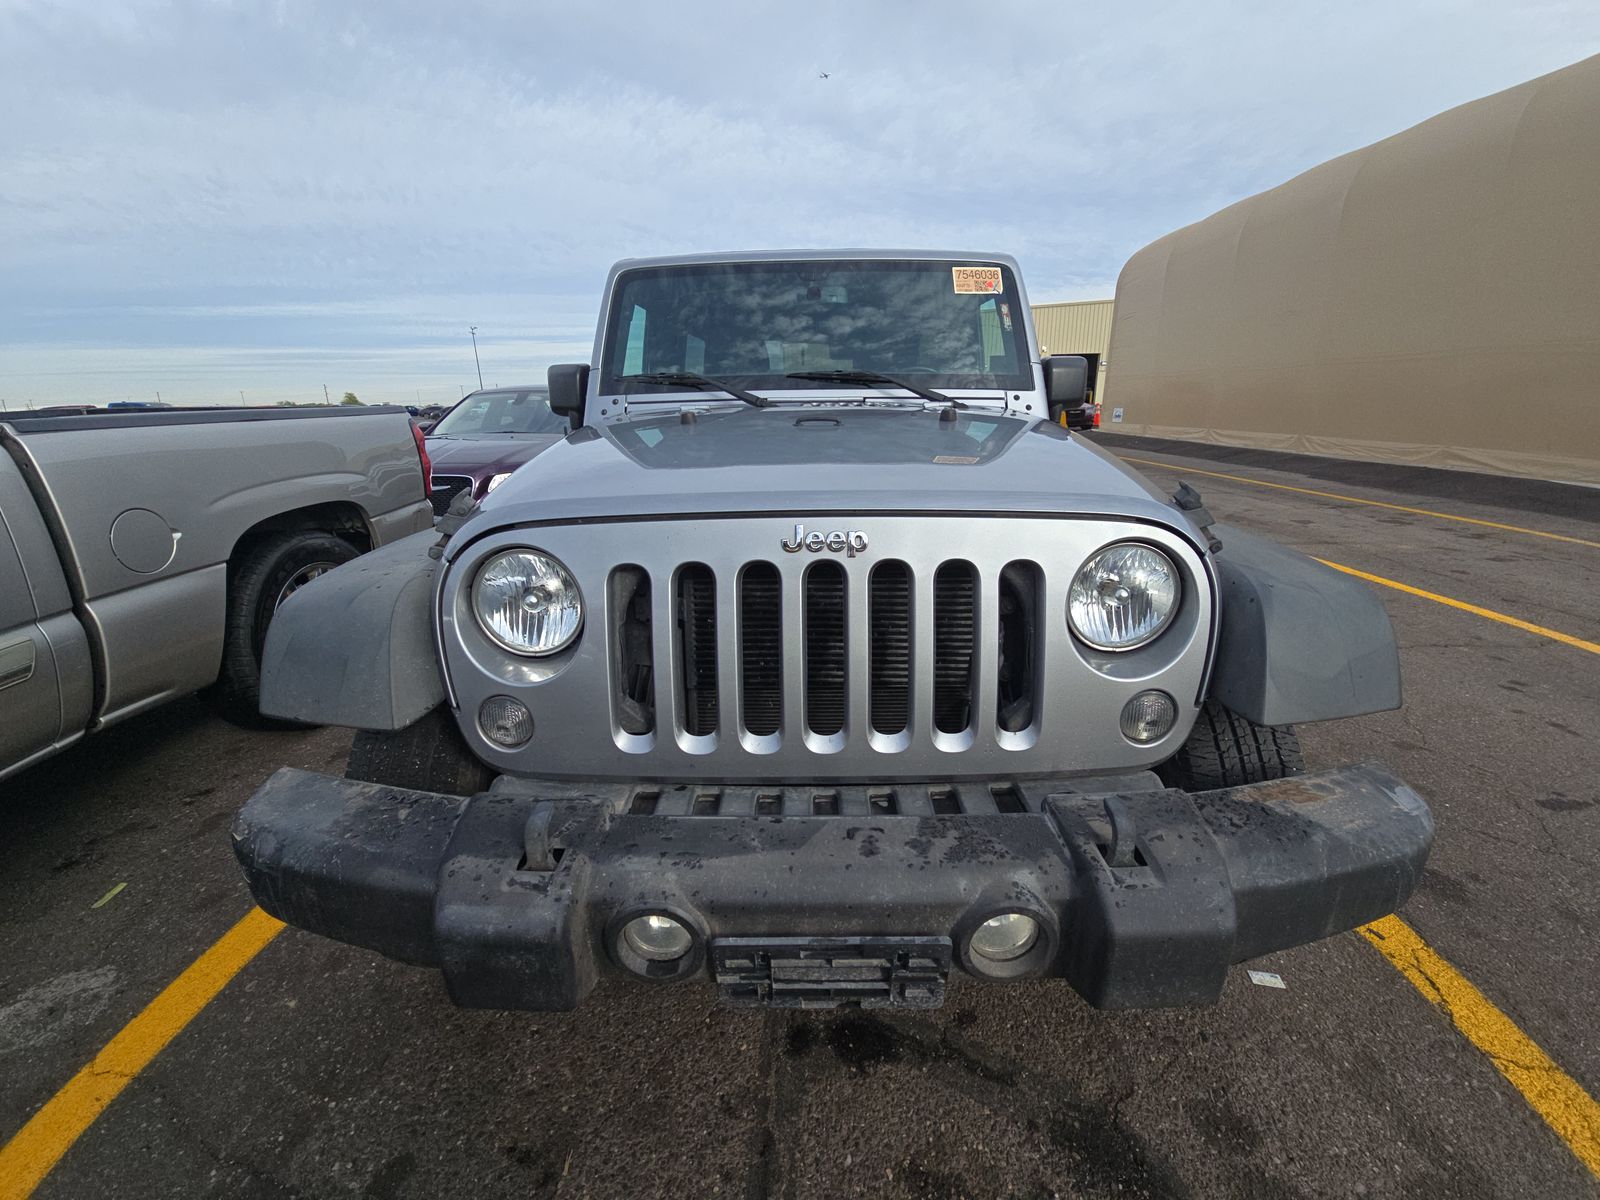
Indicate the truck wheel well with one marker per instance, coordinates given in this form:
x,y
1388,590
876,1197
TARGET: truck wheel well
x,y
341,518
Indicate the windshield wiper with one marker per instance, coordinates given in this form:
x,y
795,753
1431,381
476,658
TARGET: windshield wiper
x,y
690,379
916,389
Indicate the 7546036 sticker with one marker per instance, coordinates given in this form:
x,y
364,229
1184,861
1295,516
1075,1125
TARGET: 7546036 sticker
x,y
984,281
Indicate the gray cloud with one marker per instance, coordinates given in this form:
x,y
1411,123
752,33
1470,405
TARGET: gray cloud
x,y
282,190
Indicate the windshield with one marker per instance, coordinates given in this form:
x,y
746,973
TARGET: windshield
x,y
519,411
935,323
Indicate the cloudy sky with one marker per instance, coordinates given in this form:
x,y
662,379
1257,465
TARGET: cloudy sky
x,y
205,199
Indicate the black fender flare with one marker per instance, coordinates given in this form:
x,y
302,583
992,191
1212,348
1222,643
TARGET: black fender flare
x,y
1299,641
355,647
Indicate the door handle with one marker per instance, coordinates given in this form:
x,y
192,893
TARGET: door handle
x,y
16,663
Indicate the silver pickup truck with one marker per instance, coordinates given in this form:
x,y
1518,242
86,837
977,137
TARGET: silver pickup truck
x,y
817,662
142,555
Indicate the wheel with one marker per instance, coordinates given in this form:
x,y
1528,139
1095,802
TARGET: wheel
x,y
429,755
271,571
1226,750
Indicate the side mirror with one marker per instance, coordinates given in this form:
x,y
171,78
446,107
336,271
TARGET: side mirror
x,y
569,384
1066,381
425,426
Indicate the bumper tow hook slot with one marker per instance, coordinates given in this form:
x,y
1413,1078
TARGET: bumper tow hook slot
x,y
1123,833
537,853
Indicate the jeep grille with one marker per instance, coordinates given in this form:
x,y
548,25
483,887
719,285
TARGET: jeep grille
x,y
813,640
708,653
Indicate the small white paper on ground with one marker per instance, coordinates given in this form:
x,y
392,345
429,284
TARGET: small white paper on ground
x,y
1268,979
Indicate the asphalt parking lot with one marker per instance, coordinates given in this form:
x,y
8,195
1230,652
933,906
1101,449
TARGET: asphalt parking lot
x,y
324,1071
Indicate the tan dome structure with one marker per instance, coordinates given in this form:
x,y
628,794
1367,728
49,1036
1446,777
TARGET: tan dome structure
x,y
1433,298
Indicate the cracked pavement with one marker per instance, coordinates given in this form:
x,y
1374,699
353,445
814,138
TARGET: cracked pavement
x,y
323,1071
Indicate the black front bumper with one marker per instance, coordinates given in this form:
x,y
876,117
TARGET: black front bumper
x,y
1144,898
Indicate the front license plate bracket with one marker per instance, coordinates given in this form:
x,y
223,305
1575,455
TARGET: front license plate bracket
x,y
826,972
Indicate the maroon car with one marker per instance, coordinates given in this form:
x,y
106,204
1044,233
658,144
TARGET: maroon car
x,y
491,433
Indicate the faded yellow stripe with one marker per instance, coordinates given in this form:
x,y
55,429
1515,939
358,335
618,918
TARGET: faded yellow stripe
x,y
28,1157
1489,613
1550,1091
1419,512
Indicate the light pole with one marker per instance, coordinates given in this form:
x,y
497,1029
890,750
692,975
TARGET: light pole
x,y
474,331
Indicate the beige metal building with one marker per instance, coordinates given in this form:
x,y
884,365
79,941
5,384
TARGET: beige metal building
x,y
1079,327
1433,298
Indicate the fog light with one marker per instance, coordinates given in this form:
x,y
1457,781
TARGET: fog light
x,y
505,722
1003,938
1148,717
657,938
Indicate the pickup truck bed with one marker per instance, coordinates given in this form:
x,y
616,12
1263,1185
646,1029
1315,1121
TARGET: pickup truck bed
x,y
131,546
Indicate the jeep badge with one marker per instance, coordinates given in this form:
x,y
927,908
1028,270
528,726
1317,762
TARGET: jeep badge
x,y
850,541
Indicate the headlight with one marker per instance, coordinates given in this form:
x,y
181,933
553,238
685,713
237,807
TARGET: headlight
x,y
527,602
496,480
1123,596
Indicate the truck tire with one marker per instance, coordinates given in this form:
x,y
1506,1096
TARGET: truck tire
x,y
429,755
267,574
1226,750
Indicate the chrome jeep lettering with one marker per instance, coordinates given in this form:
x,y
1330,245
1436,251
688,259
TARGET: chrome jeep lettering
x,y
849,542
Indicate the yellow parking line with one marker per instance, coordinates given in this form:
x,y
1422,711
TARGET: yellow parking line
x,y
1420,512
1489,613
1550,1091
28,1157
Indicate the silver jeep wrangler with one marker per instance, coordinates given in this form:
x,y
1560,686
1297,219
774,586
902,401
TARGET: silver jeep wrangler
x,y
819,660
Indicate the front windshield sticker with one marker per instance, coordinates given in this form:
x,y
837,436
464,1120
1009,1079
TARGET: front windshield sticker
x,y
982,280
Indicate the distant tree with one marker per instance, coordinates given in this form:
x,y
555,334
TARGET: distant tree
x,y
350,398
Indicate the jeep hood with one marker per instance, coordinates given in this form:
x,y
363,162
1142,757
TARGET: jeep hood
x,y
808,460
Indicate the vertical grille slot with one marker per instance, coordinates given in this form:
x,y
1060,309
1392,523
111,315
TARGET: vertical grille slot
x,y
889,615
632,656
697,638
955,618
825,648
1017,698
761,648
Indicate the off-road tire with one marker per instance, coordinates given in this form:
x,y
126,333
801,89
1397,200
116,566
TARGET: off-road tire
x,y
429,755
1226,750
254,585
